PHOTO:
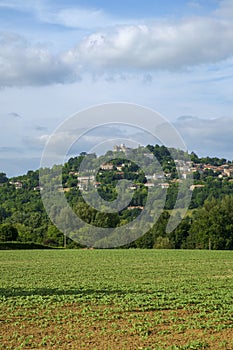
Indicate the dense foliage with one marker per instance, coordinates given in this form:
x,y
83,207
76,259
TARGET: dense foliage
x,y
209,223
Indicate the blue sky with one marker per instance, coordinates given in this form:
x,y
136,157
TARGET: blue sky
x,y
58,57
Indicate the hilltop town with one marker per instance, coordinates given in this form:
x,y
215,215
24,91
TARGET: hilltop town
x,y
156,169
174,171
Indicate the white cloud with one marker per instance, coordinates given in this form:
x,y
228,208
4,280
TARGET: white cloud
x,y
23,64
138,47
77,139
65,15
79,18
59,141
159,46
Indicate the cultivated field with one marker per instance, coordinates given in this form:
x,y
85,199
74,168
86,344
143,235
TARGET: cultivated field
x,y
116,299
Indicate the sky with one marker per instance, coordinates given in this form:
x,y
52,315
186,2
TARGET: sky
x,y
60,57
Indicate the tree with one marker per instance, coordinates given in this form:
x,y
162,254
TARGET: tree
x,y
3,214
25,233
3,178
8,233
212,225
162,243
54,236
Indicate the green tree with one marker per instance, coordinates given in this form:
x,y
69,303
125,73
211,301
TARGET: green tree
x,y
180,234
8,233
54,237
3,214
162,243
212,225
3,178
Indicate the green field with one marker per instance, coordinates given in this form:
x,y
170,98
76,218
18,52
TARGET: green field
x,y
116,299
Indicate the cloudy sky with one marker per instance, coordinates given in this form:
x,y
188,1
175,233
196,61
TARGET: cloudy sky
x,y
59,57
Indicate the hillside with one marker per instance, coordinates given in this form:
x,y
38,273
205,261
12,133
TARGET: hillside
x,y
209,223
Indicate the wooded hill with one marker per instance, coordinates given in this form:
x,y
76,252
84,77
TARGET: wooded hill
x,y
208,224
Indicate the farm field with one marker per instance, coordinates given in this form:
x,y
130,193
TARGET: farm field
x,y
116,299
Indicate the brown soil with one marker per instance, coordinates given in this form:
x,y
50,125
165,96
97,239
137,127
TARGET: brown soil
x,y
70,327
